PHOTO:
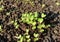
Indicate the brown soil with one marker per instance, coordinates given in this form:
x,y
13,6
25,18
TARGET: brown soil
x,y
17,8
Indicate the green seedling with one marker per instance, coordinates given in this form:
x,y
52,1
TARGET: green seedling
x,y
32,3
21,39
43,15
19,36
24,37
40,20
40,26
35,14
48,25
31,18
1,8
34,27
12,22
57,3
17,26
28,18
28,40
27,36
27,30
15,23
8,13
36,35
43,5
33,23
36,39
0,28
41,30
34,19
28,1
36,22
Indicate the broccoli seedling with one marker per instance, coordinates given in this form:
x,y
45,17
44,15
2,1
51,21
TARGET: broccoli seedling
x,y
8,13
28,40
34,20
1,8
36,39
36,35
43,5
57,3
0,28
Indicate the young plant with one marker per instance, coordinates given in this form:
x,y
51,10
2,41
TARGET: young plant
x,y
33,27
43,15
15,24
8,13
37,22
28,40
29,18
43,5
33,18
20,39
1,7
27,31
0,28
40,20
57,3
24,37
28,1
36,37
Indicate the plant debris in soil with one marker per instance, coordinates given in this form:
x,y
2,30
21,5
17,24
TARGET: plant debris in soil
x,y
13,10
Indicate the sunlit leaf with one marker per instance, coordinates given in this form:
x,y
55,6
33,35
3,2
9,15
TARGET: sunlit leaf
x,y
43,25
1,8
32,17
41,30
27,30
34,27
39,27
35,14
28,40
33,23
0,28
28,36
15,23
21,39
17,26
43,15
40,20
48,25
36,35
36,39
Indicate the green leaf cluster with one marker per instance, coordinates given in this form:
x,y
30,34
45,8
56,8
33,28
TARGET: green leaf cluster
x,y
16,25
29,18
33,19
36,37
1,7
37,22
25,37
